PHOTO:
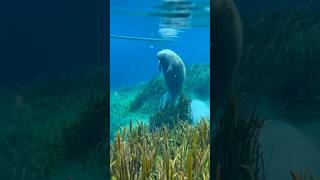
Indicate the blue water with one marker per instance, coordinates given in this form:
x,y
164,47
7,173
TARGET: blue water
x,y
134,61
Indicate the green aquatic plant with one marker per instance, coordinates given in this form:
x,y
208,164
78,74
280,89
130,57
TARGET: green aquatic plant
x,y
171,114
90,130
152,92
302,175
281,57
182,152
37,139
198,81
236,149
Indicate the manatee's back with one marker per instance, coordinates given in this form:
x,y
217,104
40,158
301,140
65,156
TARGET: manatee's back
x,y
227,44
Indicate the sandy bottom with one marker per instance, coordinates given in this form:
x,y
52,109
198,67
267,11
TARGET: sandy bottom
x,y
289,148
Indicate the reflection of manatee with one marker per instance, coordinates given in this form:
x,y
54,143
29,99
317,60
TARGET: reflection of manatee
x,y
227,45
174,73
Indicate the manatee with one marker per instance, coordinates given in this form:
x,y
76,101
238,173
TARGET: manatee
x,y
227,33
174,72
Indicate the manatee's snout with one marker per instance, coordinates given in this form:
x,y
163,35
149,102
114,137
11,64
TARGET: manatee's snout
x,y
159,55
163,56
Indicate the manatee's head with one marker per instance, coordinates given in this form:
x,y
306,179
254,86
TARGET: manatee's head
x,y
165,56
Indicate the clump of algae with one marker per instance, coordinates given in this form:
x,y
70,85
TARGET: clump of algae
x,y
171,114
182,152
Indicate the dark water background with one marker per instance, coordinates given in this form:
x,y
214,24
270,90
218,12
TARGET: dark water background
x,y
46,38
252,6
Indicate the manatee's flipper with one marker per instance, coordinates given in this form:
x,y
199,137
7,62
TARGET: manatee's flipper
x,y
159,64
169,68
161,102
175,101
172,100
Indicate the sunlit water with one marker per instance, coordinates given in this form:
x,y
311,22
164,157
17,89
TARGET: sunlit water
x,y
182,26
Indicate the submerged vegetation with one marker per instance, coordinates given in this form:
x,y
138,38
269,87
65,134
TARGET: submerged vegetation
x,y
88,133
172,114
142,101
152,92
281,57
57,131
182,152
280,63
302,175
163,144
236,149
166,145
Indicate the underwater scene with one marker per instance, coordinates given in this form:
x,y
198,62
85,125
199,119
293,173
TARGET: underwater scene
x,y
264,94
267,126
53,105
160,89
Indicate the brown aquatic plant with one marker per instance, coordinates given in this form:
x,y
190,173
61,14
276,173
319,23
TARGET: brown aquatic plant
x,y
302,175
182,152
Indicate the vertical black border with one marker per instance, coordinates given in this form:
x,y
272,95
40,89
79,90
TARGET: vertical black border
x,y
105,57
212,174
